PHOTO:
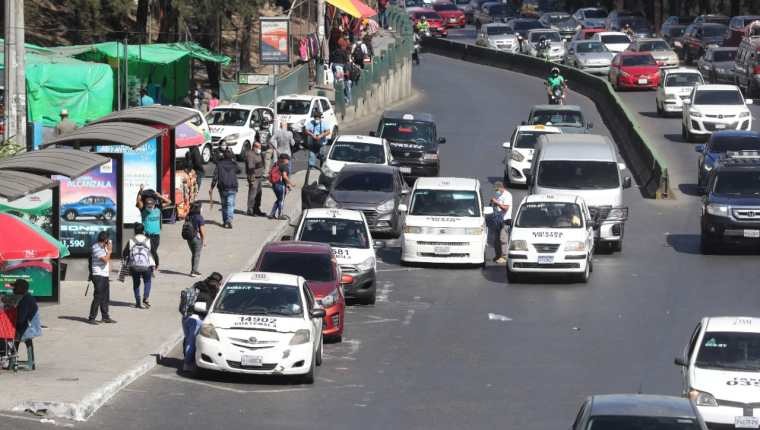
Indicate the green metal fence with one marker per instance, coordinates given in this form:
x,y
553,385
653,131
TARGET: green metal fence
x,y
294,82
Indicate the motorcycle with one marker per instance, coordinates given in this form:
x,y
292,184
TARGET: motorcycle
x,y
417,49
543,51
557,96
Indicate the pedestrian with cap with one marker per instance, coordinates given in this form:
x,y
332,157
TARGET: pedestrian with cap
x,y
502,203
65,125
317,132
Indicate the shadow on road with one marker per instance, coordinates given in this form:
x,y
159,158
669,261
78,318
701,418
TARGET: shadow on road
x,y
690,244
650,114
689,189
675,138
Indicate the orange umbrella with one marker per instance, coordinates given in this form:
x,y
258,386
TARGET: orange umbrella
x,y
355,8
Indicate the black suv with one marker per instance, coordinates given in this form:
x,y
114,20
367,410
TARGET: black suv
x,y
731,204
413,140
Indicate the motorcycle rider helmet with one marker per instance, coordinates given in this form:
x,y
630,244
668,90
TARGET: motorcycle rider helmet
x,y
555,71
424,18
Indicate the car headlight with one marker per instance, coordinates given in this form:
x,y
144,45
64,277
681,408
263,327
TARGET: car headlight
x,y
232,137
717,210
300,337
575,245
412,229
208,330
430,156
677,43
701,398
330,202
695,113
712,45
327,171
518,245
367,264
473,230
744,114
707,167
329,299
387,206
516,156
616,214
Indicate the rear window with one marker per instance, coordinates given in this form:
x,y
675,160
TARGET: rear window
x,y
724,55
429,15
713,30
528,139
493,30
312,267
676,31
444,6
639,60
594,13
720,143
293,107
551,36
527,25
615,38
683,79
655,45
365,181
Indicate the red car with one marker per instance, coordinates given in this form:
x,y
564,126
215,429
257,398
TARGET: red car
x,y
634,70
315,262
452,15
435,21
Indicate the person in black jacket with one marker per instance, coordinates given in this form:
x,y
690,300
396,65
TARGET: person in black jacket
x,y
225,178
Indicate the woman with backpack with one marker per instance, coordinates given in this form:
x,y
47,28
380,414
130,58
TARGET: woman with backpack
x,y
280,180
194,233
141,264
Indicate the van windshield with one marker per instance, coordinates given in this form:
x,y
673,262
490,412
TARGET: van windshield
x,y
578,175
445,203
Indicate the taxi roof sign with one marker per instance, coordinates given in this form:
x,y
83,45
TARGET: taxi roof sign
x,y
408,116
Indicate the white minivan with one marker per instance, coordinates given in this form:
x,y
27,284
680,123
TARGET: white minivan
x,y
585,165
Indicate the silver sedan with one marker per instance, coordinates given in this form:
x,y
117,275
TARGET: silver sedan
x,y
590,56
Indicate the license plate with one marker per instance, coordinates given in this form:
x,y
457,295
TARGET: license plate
x,y
752,233
747,422
452,20
720,126
251,360
405,169
643,81
545,259
442,250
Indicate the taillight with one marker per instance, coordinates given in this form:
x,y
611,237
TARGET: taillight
x,y
346,279
756,69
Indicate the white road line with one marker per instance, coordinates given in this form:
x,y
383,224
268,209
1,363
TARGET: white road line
x,y
172,377
405,269
201,383
385,290
379,321
409,316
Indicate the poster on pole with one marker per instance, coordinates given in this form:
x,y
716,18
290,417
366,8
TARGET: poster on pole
x,y
274,47
90,204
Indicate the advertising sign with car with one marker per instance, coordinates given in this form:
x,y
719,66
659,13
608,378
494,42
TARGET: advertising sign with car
x,y
140,167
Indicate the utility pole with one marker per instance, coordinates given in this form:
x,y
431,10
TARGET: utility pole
x,y
15,78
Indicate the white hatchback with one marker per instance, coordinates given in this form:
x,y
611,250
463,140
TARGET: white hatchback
x,y
262,323
720,367
235,126
519,151
675,87
355,149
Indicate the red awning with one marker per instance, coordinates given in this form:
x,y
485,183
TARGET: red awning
x,y
19,241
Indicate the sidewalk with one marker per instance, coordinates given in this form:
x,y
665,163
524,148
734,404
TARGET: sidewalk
x,y
79,366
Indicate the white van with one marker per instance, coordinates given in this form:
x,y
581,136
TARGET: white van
x,y
585,165
445,222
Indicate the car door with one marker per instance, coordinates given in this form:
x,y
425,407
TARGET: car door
x,y
739,70
589,229
614,68
328,113
88,207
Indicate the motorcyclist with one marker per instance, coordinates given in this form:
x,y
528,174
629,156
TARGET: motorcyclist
x,y
542,46
554,81
422,25
416,50
629,31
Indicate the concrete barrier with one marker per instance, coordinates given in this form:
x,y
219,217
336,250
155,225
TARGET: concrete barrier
x,y
642,160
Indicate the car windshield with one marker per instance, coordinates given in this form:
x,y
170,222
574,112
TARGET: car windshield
x,y
713,30
557,117
738,183
655,45
587,47
445,203
683,79
313,267
615,38
293,107
551,36
676,31
594,13
408,131
729,350
718,97
243,298
232,117
493,30
748,21
620,422
527,25
364,181
528,139
339,233
716,19
555,19
719,143
578,175
639,60
429,15
724,55
444,6
549,215
357,152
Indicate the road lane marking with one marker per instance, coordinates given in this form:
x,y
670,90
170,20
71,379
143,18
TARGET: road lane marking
x,y
201,383
378,321
408,317
385,290
399,269
498,317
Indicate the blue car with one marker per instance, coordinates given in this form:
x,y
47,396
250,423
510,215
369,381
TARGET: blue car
x,y
90,206
737,143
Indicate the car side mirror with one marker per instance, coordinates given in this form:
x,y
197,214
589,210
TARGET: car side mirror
x,y
252,124
699,148
394,163
321,187
679,361
200,307
404,192
688,102
317,313
506,145
528,178
441,140
621,166
523,123
286,237
373,133
749,101
570,51
627,182
402,208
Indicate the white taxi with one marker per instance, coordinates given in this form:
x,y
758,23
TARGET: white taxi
x,y
261,323
675,87
234,126
355,149
298,109
721,371
348,234
551,234
445,222
519,151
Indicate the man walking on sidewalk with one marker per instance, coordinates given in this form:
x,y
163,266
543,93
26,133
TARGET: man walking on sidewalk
x,y
100,269
254,170
150,211
225,178
282,140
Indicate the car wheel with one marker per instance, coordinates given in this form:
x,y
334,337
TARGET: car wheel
x,y
512,277
246,148
369,300
206,154
318,358
70,215
108,215
683,131
584,276
616,246
308,377
707,244
659,109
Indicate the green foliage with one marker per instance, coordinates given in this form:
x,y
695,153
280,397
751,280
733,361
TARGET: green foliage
x,y
9,148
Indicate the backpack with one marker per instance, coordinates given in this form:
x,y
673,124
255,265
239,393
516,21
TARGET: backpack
x,y
188,229
187,299
275,175
227,177
359,54
139,257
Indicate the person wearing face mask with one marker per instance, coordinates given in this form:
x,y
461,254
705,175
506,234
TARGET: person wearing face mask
x,y
254,170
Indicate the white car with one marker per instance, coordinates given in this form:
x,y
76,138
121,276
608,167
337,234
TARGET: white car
x,y
551,234
356,149
557,49
264,324
348,234
445,222
675,87
234,126
519,151
298,109
199,122
720,367
714,108
615,41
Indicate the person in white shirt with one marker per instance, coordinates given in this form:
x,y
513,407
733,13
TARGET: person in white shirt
x,y
502,202
100,269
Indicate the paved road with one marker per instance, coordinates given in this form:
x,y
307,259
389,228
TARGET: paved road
x,y
427,355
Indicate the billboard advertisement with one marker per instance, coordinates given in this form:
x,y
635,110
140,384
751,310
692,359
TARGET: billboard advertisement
x,y
38,208
273,44
90,204
42,276
140,167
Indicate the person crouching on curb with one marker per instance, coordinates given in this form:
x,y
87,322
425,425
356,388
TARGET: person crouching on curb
x,y
204,292
280,180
